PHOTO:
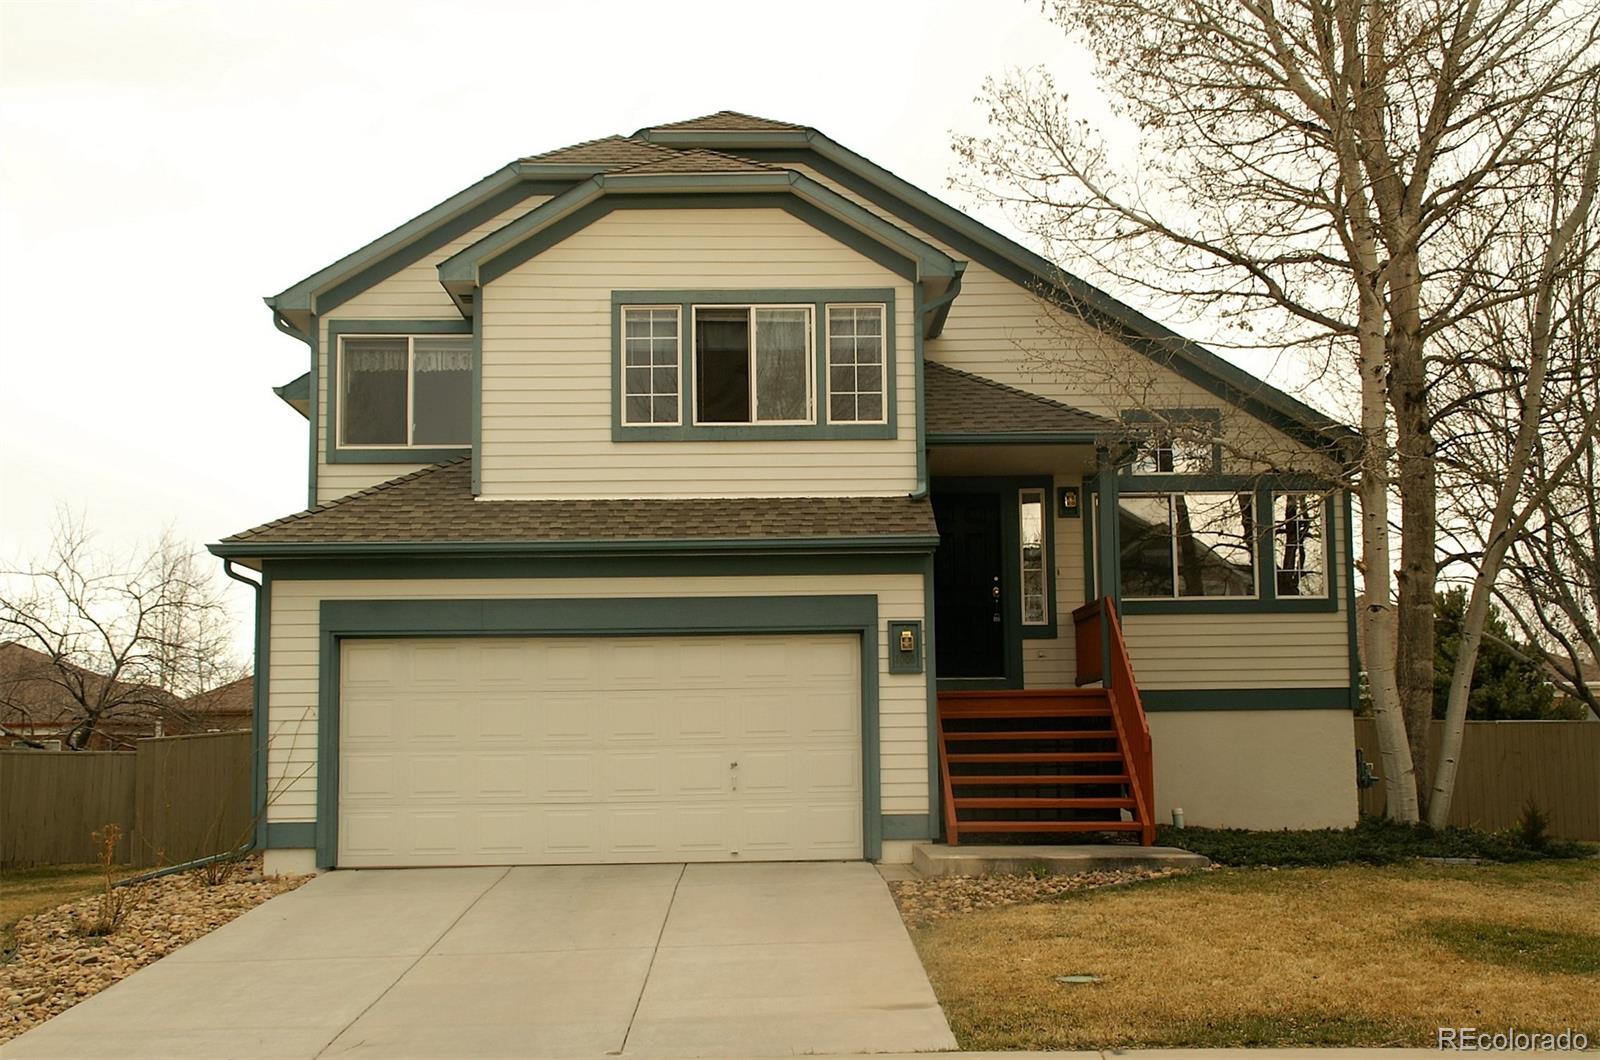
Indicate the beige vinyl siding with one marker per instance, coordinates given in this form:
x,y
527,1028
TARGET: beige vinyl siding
x,y
1262,650
412,293
547,353
1003,331
295,633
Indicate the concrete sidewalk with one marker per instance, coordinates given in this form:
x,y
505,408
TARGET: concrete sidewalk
x,y
648,961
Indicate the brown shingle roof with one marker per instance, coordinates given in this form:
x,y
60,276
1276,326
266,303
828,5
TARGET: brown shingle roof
x,y
699,160
959,403
607,151
436,504
732,120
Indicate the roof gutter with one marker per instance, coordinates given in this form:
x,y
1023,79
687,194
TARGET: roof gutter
x,y
882,543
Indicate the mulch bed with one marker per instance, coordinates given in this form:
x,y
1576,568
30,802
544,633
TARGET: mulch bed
x,y
56,965
940,897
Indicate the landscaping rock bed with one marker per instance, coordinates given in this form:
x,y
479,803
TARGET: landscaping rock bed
x,y
55,965
923,901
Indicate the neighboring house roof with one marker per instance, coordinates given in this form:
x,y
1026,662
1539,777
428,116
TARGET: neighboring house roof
x,y
32,696
960,406
435,506
777,144
236,699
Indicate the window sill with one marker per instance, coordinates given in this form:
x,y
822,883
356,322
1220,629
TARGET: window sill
x,y
400,455
1226,606
757,433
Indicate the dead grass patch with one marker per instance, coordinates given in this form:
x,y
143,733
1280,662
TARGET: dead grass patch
x,y
1345,956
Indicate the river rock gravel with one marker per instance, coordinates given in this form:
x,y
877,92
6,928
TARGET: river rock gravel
x,y
922,901
55,965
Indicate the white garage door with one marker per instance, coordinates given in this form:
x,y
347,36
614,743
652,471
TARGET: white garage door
x,y
479,751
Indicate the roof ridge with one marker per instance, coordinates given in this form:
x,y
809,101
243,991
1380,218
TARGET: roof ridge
x,y
368,491
697,121
1013,389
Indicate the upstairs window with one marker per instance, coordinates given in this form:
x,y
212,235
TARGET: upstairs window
x,y
405,391
752,364
650,364
1299,546
855,364
1176,441
1182,545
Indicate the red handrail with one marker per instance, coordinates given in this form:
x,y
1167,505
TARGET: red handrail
x,y
1103,657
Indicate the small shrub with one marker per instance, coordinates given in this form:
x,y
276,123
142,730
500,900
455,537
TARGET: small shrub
x,y
114,902
1038,870
222,870
1533,828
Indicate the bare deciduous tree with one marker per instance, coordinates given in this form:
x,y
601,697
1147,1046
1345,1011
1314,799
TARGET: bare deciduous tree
x,y
114,638
1325,176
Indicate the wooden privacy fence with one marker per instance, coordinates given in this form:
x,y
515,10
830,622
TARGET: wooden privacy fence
x,y
176,798
1506,763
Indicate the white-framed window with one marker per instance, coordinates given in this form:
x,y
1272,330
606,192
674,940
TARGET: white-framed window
x,y
1035,595
404,391
1299,546
1187,545
753,364
857,389
1169,452
651,365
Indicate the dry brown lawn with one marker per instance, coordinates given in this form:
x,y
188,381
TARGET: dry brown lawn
x,y
24,892
1352,955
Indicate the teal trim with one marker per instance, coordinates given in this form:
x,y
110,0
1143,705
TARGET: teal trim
x,y
349,619
937,311
1162,700
1007,488
1349,565
399,455
710,546
1108,532
477,391
1022,266
569,212
1012,438
931,686
402,246
908,826
296,393
818,299
314,344
641,566
901,662
290,835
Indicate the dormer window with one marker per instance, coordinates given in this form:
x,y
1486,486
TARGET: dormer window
x,y
404,391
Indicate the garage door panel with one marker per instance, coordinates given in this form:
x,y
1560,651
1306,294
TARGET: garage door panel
x,y
529,750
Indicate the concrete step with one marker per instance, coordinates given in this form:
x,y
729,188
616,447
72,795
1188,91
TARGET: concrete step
x,y
937,859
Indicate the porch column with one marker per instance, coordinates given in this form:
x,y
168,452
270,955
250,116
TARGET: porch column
x,y
1108,546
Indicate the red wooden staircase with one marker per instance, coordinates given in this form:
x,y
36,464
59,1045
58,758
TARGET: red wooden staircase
x,y
1052,761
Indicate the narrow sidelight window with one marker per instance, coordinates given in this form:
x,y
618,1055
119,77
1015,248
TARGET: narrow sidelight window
x,y
403,391
1299,545
856,392
752,364
650,365
1030,524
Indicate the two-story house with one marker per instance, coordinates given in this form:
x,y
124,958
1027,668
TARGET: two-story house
x,y
711,493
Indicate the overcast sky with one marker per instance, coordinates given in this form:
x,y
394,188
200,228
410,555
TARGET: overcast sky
x,y
164,165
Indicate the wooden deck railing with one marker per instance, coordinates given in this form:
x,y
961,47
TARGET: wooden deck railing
x,y
1103,656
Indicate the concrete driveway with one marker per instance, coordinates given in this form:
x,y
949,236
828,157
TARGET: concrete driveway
x,y
648,960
